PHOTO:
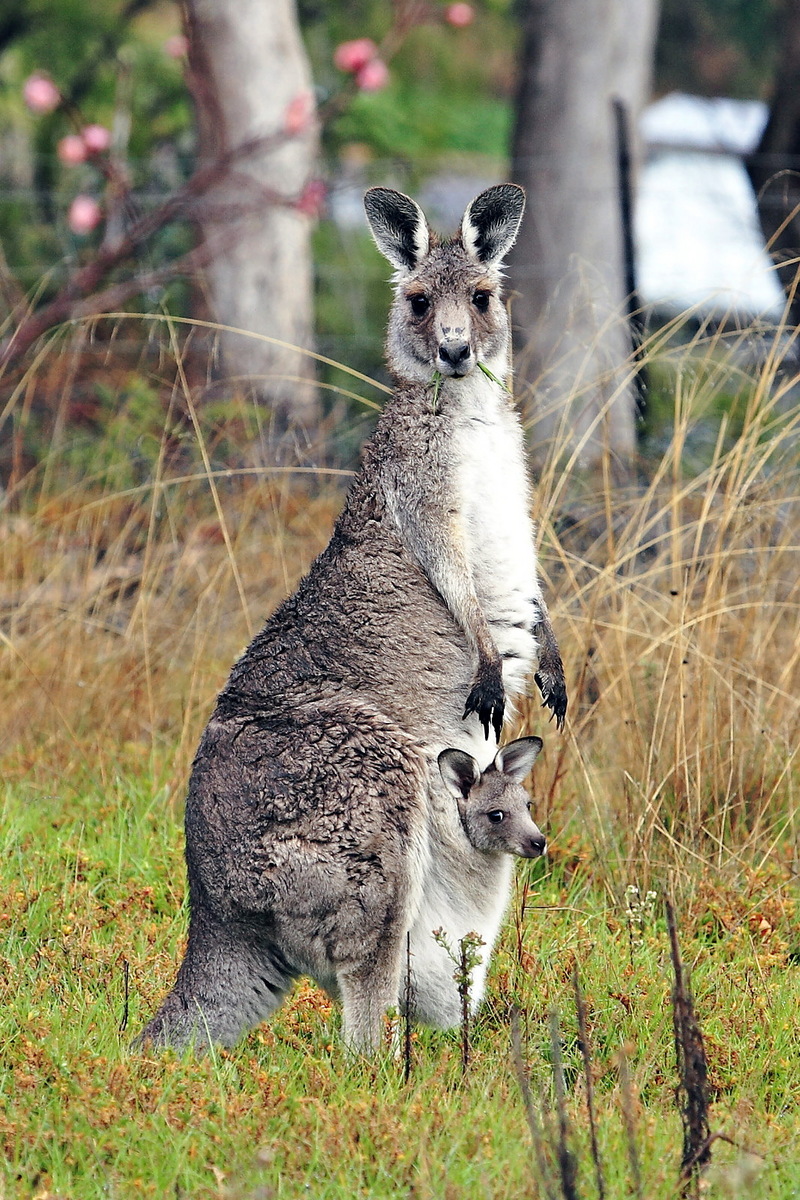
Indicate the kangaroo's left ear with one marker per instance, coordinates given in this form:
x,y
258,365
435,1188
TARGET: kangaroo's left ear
x,y
460,772
398,226
490,225
517,758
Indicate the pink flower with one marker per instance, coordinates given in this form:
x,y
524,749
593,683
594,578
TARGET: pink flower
x,y
176,46
299,113
355,55
373,76
96,138
40,93
84,215
459,15
312,199
71,150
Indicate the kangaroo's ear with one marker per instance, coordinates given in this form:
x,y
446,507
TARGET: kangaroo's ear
x,y
460,772
517,758
399,227
491,223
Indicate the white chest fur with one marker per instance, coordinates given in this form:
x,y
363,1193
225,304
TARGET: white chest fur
x,y
495,498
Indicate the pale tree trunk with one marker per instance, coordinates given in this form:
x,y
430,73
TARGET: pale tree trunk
x,y
247,65
573,342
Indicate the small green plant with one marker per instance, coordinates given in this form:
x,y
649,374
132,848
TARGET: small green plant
x,y
639,914
466,960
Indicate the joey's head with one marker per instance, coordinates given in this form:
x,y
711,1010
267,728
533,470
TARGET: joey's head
x,y
447,314
494,806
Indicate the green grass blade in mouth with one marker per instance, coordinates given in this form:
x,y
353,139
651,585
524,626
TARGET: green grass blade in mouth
x,y
437,383
491,375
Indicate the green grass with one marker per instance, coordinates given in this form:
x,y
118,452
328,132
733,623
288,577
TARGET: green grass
x,y
92,880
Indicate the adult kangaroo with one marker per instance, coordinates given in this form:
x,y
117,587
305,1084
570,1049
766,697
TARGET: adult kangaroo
x,y
315,785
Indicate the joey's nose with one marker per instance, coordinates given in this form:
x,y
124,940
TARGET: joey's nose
x,y
538,845
454,354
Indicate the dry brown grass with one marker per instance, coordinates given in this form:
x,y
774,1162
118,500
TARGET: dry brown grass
x,y
675,602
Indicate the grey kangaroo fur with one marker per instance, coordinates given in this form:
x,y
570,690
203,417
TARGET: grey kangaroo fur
x,y
319,832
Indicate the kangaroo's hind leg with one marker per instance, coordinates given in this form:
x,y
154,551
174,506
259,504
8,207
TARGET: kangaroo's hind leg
x,y
367,991
231,979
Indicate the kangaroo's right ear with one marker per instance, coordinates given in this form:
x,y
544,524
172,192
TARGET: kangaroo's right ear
x,y
517,758
399,227
491,223
460,772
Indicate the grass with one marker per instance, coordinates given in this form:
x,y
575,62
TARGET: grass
x,y
126,594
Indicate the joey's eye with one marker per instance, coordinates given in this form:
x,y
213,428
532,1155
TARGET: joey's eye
x,y
481,300
496,816
419,304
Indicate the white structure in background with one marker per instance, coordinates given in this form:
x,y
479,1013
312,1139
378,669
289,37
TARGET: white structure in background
x,y
699,242
698,239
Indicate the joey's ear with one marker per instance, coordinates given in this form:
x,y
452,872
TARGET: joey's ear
x,y
517,758
459,771
399,227
490,224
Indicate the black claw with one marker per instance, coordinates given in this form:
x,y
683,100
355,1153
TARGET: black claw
x,y
490,707
554,696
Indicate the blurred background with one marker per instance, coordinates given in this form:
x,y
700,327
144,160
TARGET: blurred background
x,y
206,161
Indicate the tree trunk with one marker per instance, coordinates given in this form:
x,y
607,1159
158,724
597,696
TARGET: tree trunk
x,y
573,343
247,64
773,166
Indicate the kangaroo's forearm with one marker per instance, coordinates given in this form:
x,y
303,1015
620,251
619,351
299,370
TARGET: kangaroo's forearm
x,y
438,546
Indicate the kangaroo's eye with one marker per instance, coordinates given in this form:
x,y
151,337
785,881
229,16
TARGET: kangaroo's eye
x,y
496,816
419,304
481,300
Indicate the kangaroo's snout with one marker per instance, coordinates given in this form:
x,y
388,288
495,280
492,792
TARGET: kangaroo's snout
x,y
455,357
537,844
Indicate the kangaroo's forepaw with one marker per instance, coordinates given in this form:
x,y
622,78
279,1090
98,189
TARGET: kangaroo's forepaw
x,y
554,695
488,700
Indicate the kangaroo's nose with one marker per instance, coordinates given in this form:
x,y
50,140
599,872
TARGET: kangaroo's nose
x,y
538,845
454,353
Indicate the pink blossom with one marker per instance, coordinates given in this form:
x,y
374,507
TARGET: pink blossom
x,y
459,15
84,215
176,46
40,93
299,113
71,150
354,56
312,199
96,138
373,76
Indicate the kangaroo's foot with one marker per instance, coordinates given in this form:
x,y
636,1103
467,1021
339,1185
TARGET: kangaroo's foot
x,y
367,993
227,984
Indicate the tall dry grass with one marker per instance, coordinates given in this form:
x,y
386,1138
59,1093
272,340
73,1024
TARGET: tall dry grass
x,y
123,602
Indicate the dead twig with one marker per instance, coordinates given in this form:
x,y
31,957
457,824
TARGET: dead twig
x,y
583,1041
73,298
531,1114
692,1070
567,1163
629,1117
